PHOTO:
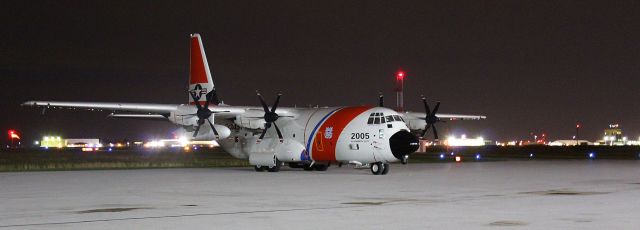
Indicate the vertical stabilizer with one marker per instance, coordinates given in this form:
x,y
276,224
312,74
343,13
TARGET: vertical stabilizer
x,y
200,80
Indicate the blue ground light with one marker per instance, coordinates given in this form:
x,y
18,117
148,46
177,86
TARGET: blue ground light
x,y
530,155
477,156
591,155
442,156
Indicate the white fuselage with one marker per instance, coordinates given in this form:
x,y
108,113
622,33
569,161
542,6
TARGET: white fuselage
x,y
333,134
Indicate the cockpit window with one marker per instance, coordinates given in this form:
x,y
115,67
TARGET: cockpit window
x,y
378,118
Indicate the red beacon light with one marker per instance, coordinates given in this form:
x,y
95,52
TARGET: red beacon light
x,y
400,75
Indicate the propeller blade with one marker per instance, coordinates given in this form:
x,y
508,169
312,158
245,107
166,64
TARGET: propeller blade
x,y
279,133
195,99
275,105
435,132
209,97
426,106
435,110
264,105
196,132
381,100
263,133
215,132
426,128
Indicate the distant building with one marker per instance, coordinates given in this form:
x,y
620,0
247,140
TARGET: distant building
x,y
82,142
59,142
570,142
613,136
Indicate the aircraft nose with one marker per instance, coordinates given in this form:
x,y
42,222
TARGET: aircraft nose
x,y
403,143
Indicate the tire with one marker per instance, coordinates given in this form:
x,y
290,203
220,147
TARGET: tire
x,y
320,167
295,165
307,167
258,168
385,169
275,168
377,168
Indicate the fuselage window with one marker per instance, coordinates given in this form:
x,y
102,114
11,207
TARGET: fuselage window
x,y
376,120
370,121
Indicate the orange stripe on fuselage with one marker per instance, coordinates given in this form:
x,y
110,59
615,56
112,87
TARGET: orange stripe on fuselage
x,y
324,149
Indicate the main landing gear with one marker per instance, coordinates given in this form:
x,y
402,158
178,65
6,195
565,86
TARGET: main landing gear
x,y
275,168
379,168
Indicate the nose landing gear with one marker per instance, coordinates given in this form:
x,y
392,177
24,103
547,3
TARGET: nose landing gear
x,y
379,168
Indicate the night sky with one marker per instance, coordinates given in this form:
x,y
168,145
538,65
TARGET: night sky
x,y
529,66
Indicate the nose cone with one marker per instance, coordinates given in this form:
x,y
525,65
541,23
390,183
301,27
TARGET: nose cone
x,y
403,143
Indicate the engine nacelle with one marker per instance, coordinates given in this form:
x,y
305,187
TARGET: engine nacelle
x,y
289,151
251,123
223,132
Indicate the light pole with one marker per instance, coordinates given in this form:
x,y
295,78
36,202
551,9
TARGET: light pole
x,y
577,132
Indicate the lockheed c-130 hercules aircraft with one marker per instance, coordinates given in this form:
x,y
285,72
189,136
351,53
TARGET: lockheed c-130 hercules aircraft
x,y
309,138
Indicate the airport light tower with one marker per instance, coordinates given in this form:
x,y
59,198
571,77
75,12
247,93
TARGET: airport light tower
x,y
399,91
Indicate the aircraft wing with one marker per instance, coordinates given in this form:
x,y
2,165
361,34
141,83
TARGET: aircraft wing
x,y
138,108
415,120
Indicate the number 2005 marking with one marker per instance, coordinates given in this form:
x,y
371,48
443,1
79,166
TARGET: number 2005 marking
x,y
359,136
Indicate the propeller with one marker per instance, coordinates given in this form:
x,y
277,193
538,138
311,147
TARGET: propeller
x,y
270,116
203,112
430,118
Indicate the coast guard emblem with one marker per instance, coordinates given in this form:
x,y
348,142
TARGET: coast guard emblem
x,y
328,132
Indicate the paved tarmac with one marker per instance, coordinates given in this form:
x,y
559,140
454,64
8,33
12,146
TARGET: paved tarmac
x,y
577,194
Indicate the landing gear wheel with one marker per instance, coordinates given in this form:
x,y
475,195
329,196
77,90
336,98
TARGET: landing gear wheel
x,y
307,167
385,169
275,168
377,168
258,168
320,167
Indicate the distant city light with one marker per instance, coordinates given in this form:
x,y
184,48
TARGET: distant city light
x,y
530,154
591,155
477,156
458,158
442,156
